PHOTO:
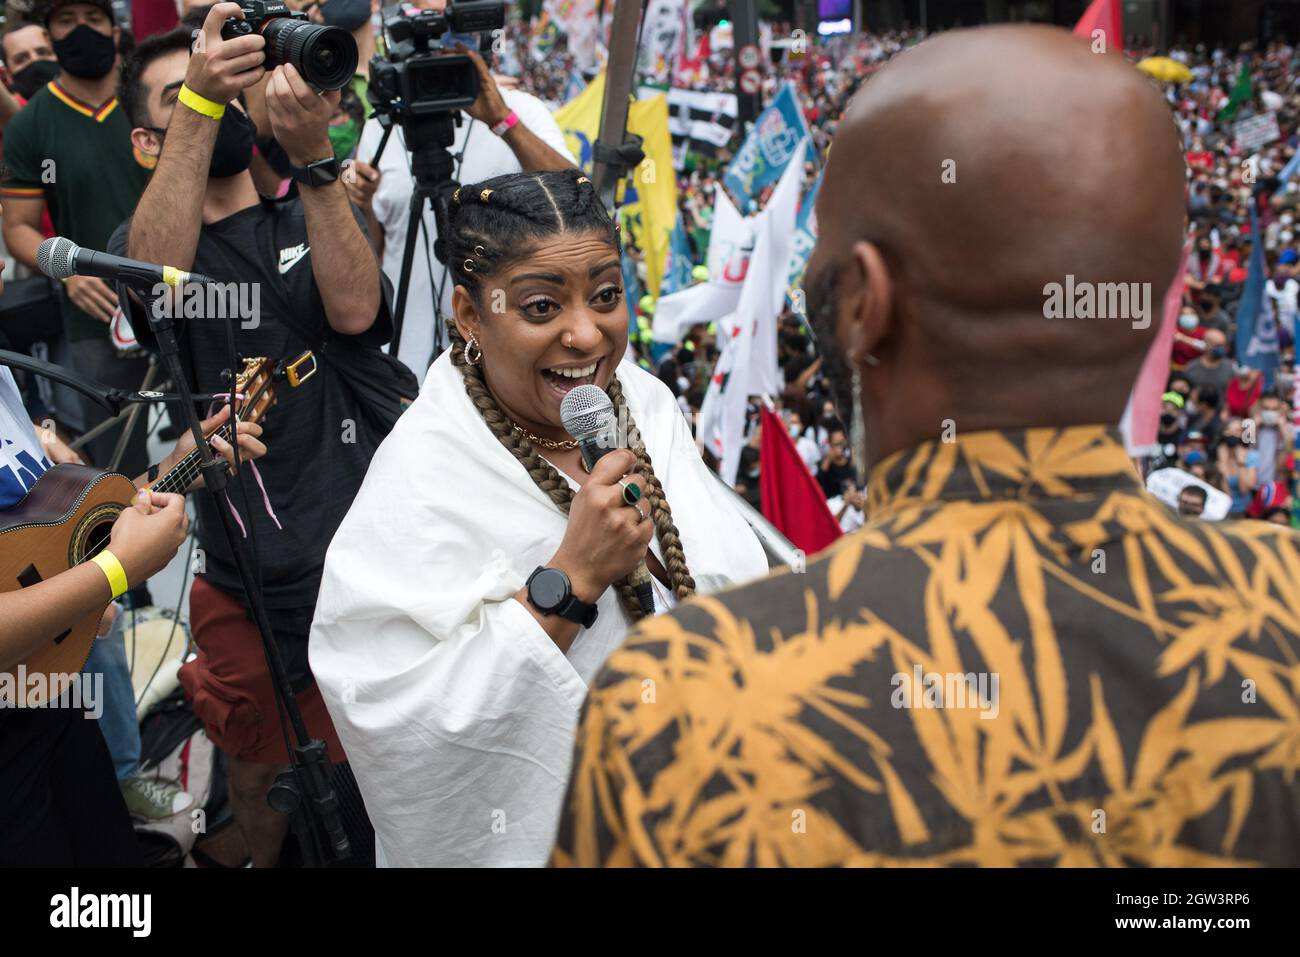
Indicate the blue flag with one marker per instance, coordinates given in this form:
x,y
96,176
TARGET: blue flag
x,y
1257,344
768,148
677,270
805,238
1284,177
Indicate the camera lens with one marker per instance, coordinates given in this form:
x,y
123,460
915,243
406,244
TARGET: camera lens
x,y
325,56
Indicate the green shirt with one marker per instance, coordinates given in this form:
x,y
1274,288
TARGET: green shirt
x,y
80,160
361,87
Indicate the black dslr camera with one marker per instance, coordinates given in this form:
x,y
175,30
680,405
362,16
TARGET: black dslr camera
x,y
326,57
415,80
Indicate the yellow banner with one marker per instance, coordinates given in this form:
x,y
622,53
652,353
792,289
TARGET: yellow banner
x,y
649,204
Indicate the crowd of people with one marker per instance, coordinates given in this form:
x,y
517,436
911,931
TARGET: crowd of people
x,y
159,148
1223,421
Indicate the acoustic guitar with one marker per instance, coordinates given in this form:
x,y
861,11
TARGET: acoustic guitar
x,y
68,515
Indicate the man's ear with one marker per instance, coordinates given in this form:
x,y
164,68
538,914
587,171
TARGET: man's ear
x,y
870,301
464,312
146,141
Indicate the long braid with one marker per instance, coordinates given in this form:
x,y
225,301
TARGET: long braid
x,y
670,540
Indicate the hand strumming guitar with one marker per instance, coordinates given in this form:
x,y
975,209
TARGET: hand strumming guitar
x,y
250,445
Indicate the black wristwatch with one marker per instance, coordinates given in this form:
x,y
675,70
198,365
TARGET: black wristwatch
x,y
551,593
320,173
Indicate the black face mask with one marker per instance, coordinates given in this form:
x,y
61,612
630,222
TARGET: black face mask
x,y
29,80
86,53
233,151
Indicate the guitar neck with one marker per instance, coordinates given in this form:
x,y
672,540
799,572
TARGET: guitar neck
x,y
181,476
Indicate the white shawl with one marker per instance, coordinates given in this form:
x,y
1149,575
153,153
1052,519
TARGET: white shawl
x,y
456,709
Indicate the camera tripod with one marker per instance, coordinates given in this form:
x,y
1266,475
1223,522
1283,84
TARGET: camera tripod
x,y
432,167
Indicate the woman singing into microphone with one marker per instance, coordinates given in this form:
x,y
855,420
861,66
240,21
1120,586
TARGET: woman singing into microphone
x,y
480,579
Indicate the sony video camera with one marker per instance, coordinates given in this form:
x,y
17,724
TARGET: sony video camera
x,y
326,57
417,80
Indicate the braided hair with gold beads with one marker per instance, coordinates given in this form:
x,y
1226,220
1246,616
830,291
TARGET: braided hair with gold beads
x,y
529,208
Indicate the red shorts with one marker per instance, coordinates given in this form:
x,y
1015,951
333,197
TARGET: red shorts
x,y
230,689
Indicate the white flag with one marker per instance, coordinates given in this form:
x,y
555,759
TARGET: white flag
x,y
748,365
663,38
769,297
577,18
731,240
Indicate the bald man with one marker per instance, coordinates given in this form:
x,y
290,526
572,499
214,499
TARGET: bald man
x,y
1021,658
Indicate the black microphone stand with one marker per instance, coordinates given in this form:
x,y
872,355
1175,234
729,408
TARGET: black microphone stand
x,y
112,399
308,773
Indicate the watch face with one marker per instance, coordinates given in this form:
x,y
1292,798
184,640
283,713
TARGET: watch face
x,y
549,587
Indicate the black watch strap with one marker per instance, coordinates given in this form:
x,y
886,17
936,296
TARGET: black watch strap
x,y
566,605
320,173
577,610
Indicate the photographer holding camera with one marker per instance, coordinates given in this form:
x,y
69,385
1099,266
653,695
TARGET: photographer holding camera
x,y
505,131
307,268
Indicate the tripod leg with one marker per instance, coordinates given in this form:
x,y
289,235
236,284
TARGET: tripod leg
x,y
414,220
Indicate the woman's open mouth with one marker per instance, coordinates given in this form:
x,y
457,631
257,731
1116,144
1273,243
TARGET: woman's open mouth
x,y
562,379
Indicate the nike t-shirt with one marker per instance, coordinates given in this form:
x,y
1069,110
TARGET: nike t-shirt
x,y
313,465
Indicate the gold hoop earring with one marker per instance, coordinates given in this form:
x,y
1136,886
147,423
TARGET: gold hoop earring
x,y
478,354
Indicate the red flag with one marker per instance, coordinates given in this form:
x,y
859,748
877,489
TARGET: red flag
x,y
1104,15
792,499
1143,412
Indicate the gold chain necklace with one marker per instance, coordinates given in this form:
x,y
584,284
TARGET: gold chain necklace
x,y
553,444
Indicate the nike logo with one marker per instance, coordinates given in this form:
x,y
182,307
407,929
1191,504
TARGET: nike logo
x,y
289,257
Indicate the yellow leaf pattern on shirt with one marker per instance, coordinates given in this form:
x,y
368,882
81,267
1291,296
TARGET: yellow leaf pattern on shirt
x,y
1147,707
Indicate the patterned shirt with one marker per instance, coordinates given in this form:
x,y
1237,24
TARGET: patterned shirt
x,y
1021,659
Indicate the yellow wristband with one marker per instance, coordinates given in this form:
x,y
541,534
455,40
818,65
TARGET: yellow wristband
x,y
113,571
200,104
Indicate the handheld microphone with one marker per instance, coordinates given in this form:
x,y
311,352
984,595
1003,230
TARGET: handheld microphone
x,y
61,258
587,414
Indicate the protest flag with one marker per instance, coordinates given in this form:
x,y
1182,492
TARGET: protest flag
x,y
1106,16
791,498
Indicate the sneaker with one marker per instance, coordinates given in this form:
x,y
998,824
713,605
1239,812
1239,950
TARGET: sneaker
x,y
154,800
